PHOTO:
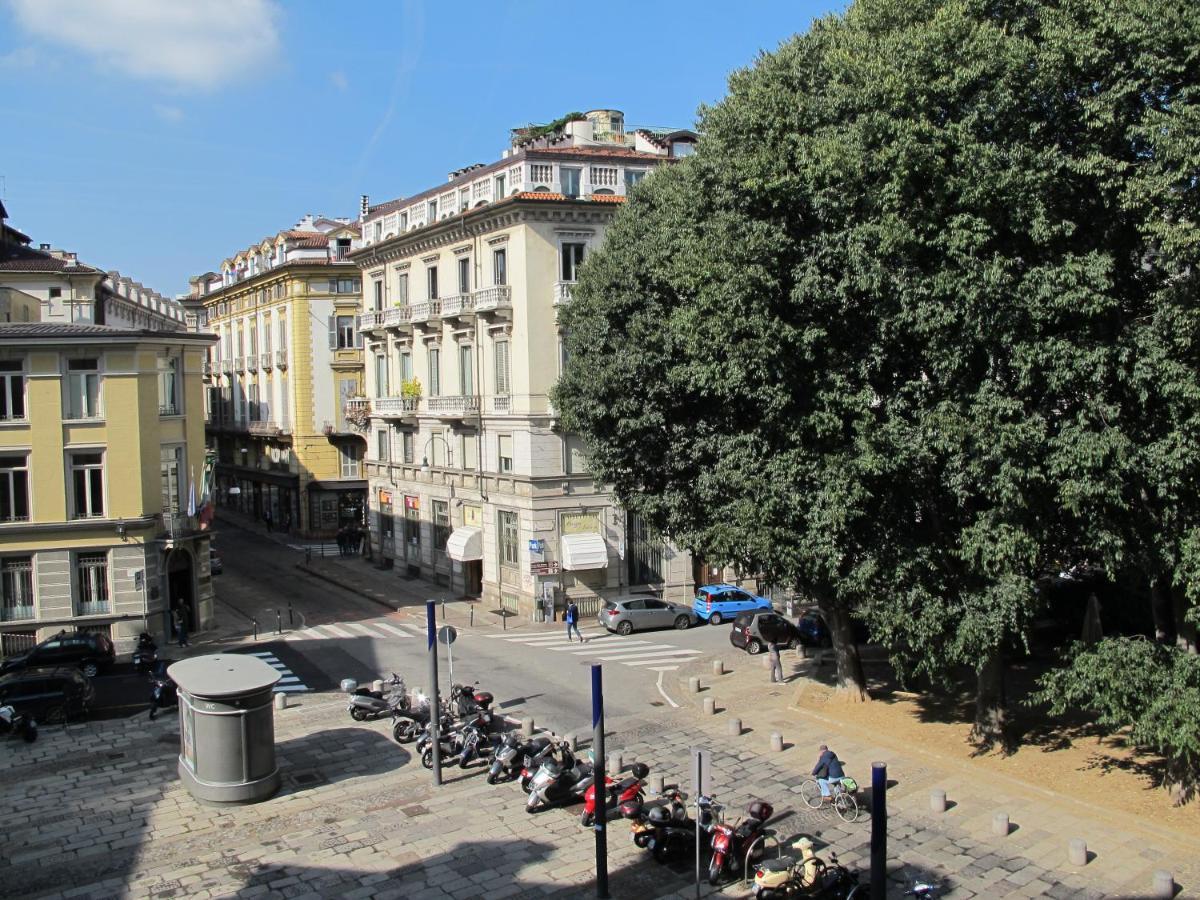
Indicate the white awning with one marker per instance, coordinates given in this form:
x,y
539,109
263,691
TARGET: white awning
x,y
584,551
465,544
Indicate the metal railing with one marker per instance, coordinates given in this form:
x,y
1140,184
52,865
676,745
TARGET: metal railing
x,y
15,613
93,608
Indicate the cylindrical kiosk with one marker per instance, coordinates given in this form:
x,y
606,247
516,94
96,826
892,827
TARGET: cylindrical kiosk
x,y
226,727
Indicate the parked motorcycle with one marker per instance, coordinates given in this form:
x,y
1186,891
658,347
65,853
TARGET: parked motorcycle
x,y
368,704
615,793
509,755
558,780
145,655
466,701
664,829
13,723
790,876
533,761
412,721
733,845
448,742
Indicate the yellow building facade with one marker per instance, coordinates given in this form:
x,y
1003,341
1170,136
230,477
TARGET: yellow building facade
x,y
101,454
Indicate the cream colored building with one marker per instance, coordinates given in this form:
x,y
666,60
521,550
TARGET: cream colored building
x,y
101,438
472,483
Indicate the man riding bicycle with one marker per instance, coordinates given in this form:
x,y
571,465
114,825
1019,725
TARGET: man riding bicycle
x,y
828,769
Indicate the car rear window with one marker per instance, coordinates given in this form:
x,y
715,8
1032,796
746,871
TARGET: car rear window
x,y
608,604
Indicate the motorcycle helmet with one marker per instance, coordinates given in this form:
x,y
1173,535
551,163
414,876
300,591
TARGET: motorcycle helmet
x,y
639,770
761,810
660,815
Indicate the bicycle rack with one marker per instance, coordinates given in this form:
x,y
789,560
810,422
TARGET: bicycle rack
x,y
761,839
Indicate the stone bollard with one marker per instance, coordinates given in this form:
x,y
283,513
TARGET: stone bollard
x,y
1164,884
694,684
1077,852
657,784
937,801
377,685
1000,824
527,727
614,764
776,741
735,727
280,700
718,667
710,706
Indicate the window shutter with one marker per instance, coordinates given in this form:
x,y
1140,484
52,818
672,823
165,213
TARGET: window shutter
x,y
333,332
502,372
358,335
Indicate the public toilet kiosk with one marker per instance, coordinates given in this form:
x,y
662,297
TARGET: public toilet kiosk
x,y
226,727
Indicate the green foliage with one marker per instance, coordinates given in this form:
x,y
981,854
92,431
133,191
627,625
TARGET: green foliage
x,y
532,132
1133,683
410,388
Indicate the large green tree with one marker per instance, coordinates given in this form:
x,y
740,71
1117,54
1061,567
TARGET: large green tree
x,y
916,324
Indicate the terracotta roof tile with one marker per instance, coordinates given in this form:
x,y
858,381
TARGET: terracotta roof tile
x,y
17,258
536,195
607,198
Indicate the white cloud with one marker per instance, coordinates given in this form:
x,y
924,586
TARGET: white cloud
x,y
21,58
339,79
188,43
168,113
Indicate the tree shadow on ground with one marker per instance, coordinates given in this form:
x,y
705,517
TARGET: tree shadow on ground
x,y
337,754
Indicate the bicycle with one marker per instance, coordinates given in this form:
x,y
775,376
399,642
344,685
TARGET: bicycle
x,y
842,792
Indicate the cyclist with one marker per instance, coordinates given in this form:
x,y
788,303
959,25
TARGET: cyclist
x,y
827,769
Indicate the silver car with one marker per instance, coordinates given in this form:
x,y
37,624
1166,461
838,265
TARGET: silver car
x,y
627,614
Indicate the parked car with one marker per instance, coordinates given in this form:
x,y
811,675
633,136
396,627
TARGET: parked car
x,y
48,694
626,614
717,603
215,566
815,633
90,652
754,629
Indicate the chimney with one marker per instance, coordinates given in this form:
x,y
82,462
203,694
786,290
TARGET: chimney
x,y
364,207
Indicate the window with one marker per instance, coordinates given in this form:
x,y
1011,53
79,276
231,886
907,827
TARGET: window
x,y
252,407
572,259
464,199
435,372
430,212
253,331
470,451
431,282
351,457
412,521
682,148
570,181
168,385
382,446
83,389
500,266
346,285
508,538
386,523
644,552
341,333
14,489
402,289
342,248
378,295
498,188
464,275
170,467
12,390
503,380
382,388
379,231
466,375
406,367
16,588
87,480
505,453
541,174
283,342
633,176
441,524
91,573
404,221
406,444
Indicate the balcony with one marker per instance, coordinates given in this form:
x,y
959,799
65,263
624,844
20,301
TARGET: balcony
x,y
252,362
491,299
206,368
93,608
264,361
502,403
239,364
358,413
227,366
266,428
420,313
397,317
458,305
562,292
15,613
281,359
371,321
454,407
396,407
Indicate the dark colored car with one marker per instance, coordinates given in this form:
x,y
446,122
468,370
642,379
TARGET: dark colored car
x,y
754,629
813,630
48,694
89,652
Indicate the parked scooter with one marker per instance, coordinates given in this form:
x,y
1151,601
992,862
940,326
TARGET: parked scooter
x,y
664,829
466,701
145,655
13,723
615,793
509,756
790,876
557,782
368,704
732,844
448,741
533,761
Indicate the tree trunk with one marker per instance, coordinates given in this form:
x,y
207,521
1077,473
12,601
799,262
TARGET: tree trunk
x,y
1185,630
851,681
1163,609
991,704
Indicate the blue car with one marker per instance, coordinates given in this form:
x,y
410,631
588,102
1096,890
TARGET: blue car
x,y
717,603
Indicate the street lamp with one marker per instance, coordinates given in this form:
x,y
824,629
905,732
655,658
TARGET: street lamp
x,y
425,453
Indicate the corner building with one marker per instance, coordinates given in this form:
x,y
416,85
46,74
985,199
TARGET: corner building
x,y
472,484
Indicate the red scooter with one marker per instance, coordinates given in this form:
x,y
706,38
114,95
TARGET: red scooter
x,y
628,789
733,844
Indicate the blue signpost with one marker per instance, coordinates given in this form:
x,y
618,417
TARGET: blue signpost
x,y
598,783
878,831
435,706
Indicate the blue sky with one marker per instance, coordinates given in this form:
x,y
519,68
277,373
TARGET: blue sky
x,y
157,138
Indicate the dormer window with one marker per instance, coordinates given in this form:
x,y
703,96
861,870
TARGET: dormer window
x,y
431,212
379,231
342,248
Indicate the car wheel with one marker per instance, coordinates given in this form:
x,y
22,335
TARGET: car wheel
x,y
682,623
90,669
55,715
715,619
625,627
754,647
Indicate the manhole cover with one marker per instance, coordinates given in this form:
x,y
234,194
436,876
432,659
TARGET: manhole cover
x,y
415,810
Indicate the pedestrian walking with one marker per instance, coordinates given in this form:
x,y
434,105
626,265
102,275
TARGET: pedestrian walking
x,y
287,521
776,664
155,696
341,539
180,622
573,621
270,522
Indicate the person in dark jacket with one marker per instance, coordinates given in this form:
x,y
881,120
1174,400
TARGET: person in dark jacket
x,y
827,769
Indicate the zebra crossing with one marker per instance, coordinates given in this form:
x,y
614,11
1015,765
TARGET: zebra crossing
x,y
288,683
372,629
602,646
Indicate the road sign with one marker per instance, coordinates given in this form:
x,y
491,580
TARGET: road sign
x,y
139,579
447,634
549,567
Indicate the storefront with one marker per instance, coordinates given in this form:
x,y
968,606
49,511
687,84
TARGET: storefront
x,y
336,504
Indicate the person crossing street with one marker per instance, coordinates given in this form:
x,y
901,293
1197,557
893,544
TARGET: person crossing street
x,y
573,621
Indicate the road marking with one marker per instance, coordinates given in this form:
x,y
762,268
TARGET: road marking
x,y
664,668
665,696
661,657
291,688
364,629
288,682
337,631
262,653
393,630
642,657
535,641
615,652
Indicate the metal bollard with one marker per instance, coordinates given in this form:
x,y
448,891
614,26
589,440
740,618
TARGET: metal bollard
x,y
614,764
291,616
254,622
280,700
307,554
710,706
471,616
694,685
657,784
776,742
527,727
937,801
504,619
1164,884
1000,824
1077,852
718,667
735,727
278,622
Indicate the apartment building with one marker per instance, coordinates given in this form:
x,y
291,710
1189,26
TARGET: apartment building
x,y
285,397
124,303
472,482
101,445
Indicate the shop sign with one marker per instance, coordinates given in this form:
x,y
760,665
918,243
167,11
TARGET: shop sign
x,y
473,516
412,502
385,497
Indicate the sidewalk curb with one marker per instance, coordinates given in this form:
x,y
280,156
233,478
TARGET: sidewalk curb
x,y
303,567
